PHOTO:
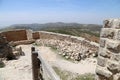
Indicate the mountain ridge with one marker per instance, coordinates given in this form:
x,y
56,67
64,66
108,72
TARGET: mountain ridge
x,y
37,26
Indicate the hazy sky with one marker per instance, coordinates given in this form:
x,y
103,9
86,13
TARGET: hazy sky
x,y
43,11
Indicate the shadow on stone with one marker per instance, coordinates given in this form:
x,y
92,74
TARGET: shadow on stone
x,y
2,64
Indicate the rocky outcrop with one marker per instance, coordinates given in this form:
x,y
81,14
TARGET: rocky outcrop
x,y
108,67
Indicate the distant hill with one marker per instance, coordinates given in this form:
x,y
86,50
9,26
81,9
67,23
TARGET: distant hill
x,y
36,26
85,30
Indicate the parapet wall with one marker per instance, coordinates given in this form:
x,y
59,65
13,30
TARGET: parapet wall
x,y
18,35
36,35
108,67
71,47
63,37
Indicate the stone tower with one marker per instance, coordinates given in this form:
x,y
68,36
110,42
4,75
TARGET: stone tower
x,y
108,66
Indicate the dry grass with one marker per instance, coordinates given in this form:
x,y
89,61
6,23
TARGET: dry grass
x,y
66,75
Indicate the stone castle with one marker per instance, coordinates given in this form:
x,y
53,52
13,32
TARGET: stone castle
x,y
77,48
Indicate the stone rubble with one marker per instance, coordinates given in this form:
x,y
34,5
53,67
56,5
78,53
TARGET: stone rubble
x,y
70,50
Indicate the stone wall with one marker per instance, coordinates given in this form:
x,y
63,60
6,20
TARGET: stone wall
x,y
36,35
63,37
29,34
71,47
108,67
17,35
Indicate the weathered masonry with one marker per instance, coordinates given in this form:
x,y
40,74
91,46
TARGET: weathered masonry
x,y
71,47
108,67
17,35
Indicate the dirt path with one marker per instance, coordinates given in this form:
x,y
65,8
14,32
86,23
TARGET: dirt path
x,y
86,66
20,69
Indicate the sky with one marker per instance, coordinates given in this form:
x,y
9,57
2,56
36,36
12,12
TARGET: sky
x,y
44,11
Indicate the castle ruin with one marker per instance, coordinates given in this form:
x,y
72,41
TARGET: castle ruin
x,y
108,66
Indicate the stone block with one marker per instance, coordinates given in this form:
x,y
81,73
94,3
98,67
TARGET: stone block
x,y
117,34
100,78
107,23
107,33
116,57
116,23
113,46
102,42
35,35
104,53
112,23
113,66
116,76
103,78
101,61
102,71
